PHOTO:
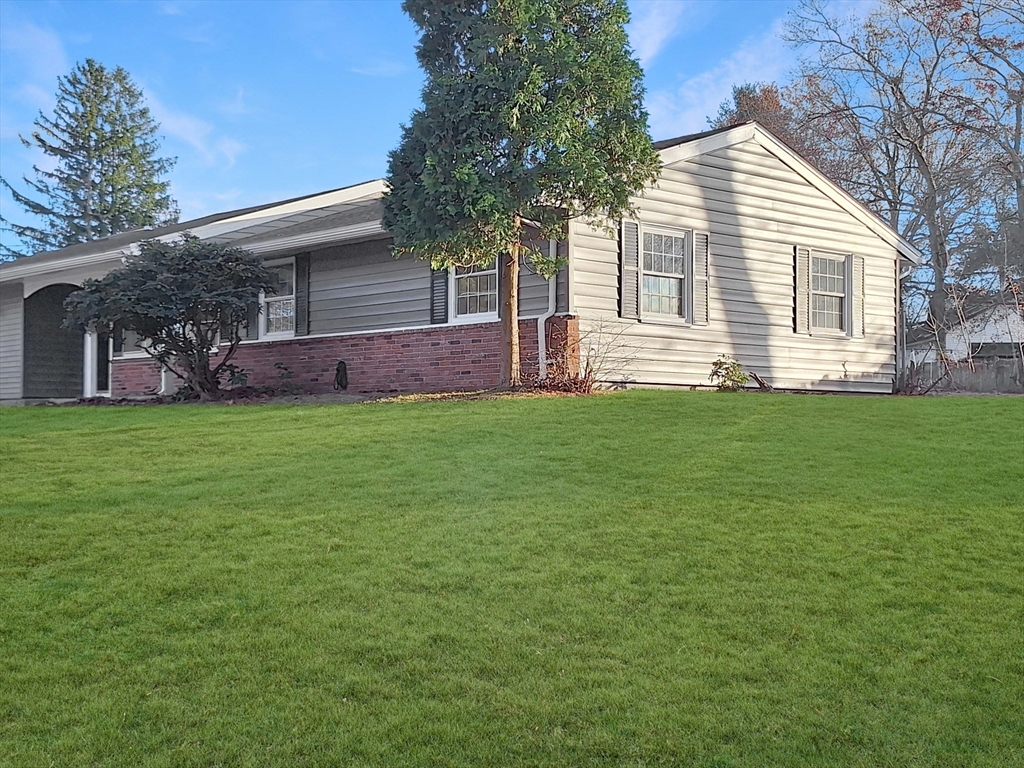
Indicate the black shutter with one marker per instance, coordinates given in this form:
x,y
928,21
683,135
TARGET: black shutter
x,y
252,323
225,332
302,294
629,270
438,296
117,332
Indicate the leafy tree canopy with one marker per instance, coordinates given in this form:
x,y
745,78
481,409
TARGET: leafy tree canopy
x,y
183,299
532,110
108,177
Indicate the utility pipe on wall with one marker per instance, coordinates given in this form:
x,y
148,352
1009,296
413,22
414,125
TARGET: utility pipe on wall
x,y
542,321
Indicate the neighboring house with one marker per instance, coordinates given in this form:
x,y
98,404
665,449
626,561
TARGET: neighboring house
x,y
740,248
994,331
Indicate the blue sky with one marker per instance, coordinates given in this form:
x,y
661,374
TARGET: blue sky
x,y
262,101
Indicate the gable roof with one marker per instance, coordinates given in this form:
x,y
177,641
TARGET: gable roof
x,y
695,144
355,211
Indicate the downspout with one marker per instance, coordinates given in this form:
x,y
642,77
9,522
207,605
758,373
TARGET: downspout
x,y
542,321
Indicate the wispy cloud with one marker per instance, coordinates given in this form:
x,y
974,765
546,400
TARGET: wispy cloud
x,y
687,107
194,205
41,55
196,133
655,22
381,69
235,106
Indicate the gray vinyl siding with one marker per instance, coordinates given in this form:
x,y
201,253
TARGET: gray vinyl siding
x,y
757,210
534,290
362,287
533,294
12,335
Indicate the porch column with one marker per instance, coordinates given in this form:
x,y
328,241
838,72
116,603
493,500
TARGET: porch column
x,y
89,365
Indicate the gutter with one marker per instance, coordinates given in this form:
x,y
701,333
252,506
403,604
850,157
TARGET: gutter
x,y
542,342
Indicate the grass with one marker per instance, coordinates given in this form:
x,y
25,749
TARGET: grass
x,y
645,578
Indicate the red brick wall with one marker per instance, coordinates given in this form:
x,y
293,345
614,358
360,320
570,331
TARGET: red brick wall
x,y
428,360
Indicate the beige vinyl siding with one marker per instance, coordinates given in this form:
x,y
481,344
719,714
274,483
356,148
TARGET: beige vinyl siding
x,y
12,336
756,209
362,287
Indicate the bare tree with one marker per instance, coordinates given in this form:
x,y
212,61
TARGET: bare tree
x,y
989,104
880,93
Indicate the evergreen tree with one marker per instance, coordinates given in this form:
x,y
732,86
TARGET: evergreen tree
x,y
532,113
108,176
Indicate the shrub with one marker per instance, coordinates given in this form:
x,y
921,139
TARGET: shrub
x,y
728,375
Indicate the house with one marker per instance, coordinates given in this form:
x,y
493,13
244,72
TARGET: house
x,y
994,330
741,247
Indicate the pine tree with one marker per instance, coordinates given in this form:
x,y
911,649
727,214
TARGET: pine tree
x,y
532,113
107,178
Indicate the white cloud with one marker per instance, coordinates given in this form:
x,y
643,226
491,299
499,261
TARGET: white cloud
x,y
381,69
196,133
686,108
41,56
196,205
655,22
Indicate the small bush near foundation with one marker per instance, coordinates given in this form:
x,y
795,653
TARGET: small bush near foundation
x,y
564,375
728,375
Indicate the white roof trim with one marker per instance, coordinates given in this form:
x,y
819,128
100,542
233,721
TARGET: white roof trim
x,y
10,271
691,149
335,235
369,190
14,271
810,174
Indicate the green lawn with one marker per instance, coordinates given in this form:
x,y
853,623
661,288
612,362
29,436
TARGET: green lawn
x,y
644,578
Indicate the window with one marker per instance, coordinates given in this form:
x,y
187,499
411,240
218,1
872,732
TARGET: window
x,y
664,272
278,309
828,293
476,291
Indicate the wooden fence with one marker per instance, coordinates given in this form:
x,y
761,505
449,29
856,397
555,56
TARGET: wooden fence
x,y
1005,375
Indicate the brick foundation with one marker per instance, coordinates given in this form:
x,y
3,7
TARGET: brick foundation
x,y
427,360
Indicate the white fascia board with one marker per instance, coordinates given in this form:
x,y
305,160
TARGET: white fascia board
x,y
16,271
360,192
691,149
810,174
320,237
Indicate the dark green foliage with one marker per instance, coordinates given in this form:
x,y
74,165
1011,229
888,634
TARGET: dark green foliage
x,y
531,110
108,177
183,299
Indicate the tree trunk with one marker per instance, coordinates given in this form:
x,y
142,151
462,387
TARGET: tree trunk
x,y
508,286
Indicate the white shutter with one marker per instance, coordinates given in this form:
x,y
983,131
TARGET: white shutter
x,y
699,283
855,296
629,269
802,291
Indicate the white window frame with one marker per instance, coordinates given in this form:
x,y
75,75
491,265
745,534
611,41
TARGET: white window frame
x,y
454,318
687,277
264,300
847,297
